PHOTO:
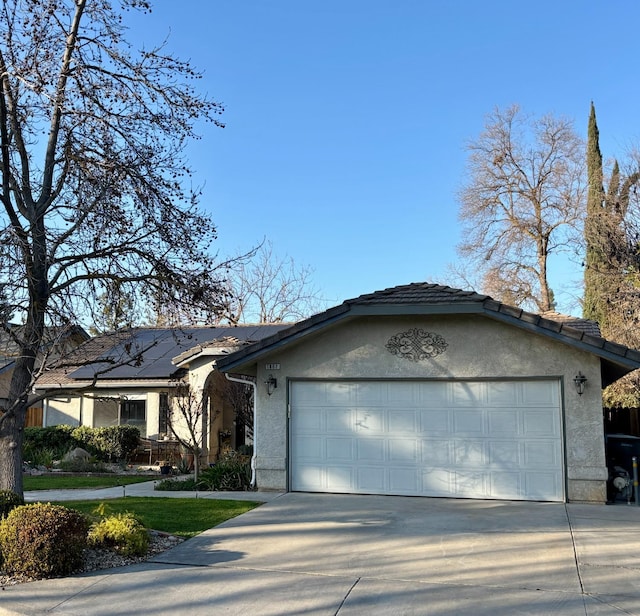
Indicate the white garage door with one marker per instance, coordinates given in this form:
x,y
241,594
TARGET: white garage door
x,y
477,439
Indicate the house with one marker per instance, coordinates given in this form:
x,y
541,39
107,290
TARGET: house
x,y
426,390
130,376
57,342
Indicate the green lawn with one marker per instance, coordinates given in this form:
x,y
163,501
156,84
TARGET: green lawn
x,y
185,517
51,481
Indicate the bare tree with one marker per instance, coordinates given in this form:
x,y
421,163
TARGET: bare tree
x,y
94,186
239,397
265,288
523,202
187,410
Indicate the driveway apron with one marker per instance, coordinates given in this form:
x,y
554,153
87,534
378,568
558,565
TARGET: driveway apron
x,y
350,555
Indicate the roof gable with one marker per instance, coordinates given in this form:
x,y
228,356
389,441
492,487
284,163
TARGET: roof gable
x,y
427,298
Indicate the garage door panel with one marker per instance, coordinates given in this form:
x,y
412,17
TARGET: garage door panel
x,y
403,450
505,485
340,449
433,394
372,479
538,393
504,454
435,421
502,395
469,484
339,478
537,423
404,480
370,421
469,423
436,452
504,422
372,449
468,394
311,422
541,454
438,482
537,484
338,421
309,448
469,453
480,439
404,421
310,476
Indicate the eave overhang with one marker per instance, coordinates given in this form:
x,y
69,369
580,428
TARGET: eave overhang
x,y
617,360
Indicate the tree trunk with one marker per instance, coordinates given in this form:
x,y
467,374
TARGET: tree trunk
x,y
12,427
196,464
12,423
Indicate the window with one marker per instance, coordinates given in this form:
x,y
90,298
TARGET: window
x,y
133,412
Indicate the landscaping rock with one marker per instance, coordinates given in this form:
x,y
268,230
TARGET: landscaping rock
x,y
77,454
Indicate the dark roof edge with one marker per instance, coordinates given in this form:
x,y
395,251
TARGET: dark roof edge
x,y
484,305
285,336
562,332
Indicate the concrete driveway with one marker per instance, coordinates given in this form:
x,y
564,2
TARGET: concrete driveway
x,y
362,555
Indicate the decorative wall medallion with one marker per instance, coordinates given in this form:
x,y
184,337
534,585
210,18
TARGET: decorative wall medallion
x,y
416,344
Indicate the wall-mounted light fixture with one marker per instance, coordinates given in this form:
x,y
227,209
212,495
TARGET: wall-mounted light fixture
x,y
580,381
271,383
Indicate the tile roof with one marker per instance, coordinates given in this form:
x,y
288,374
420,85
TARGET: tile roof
x,y
418,292
428,298
586,325
55,340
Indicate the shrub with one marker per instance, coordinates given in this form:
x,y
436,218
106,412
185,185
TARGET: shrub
x,y
245,450
231,472
110,442
122,533
84,466
42,540
41,457
9,500
43,445
176,485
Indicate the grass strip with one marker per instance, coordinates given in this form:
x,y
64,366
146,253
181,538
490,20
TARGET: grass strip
x,y
185,517
51,481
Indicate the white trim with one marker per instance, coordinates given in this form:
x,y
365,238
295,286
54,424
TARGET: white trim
x,y
255,423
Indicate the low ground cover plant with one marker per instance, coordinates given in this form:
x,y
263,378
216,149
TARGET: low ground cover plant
x,y
120,532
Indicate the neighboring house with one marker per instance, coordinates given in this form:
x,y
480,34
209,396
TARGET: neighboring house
x,y
128,377
425,390
58,341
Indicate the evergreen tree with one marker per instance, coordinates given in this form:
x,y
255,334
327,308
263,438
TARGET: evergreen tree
x,y
593,276
611,272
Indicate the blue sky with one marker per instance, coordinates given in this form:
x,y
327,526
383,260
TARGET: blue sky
x,y
347,119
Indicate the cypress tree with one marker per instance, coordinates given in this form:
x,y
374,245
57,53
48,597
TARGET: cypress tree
x,y
593,275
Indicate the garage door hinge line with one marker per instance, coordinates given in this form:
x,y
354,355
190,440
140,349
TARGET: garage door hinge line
x,y
346,596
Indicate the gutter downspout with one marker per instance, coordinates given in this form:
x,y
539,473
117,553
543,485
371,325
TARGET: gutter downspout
x,y
255,423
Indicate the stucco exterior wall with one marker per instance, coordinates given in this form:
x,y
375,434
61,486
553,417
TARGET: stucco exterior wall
x,y
65,410
86,409
477,348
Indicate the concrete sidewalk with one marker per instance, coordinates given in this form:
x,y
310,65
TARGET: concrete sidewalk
x,y
367,555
